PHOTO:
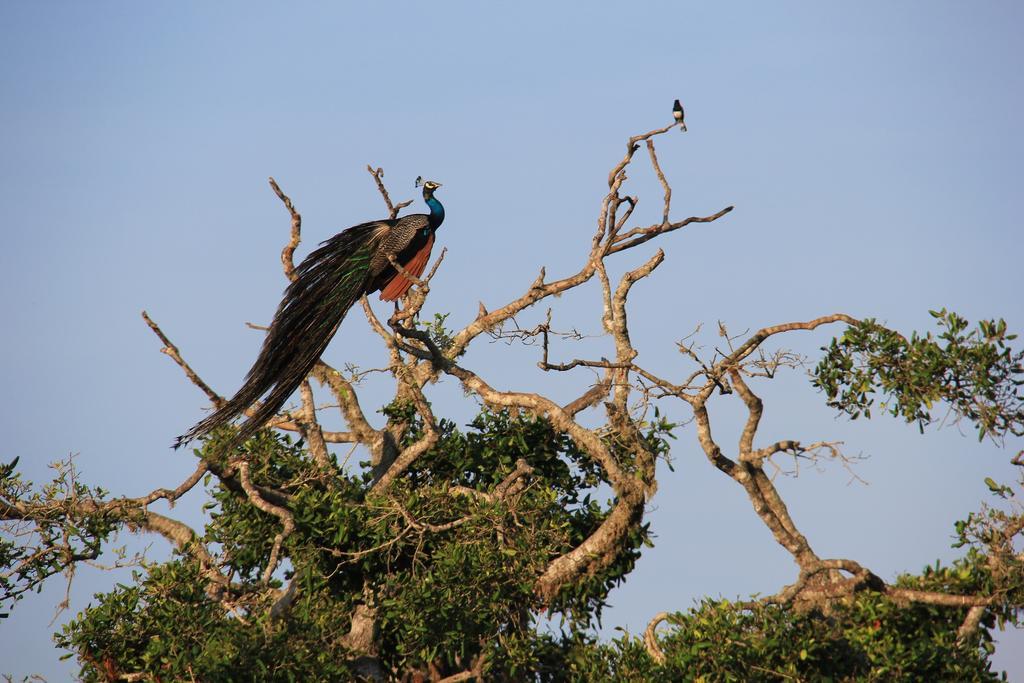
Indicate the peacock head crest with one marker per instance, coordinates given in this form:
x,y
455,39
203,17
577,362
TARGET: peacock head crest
x,y
428,186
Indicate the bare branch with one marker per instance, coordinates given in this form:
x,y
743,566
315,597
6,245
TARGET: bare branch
x,y
135,518
424,444
598,550
172,495
509,486
749,346
378,176
970,624
287,520
755,408
172,351
288,253
310,428
661,178
474,674
590,398
647,234
348,402
651,638
809,590
285,601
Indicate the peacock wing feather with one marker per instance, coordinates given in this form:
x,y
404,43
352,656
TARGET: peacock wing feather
x,y
400,284
404,242
328,282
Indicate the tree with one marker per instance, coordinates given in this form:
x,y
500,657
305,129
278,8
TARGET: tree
x,y
435,559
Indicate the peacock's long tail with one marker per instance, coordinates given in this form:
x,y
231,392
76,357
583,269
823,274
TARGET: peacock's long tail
x,y
328,282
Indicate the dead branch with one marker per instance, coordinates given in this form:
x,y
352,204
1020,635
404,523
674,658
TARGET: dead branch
x,y
287,520
347,400
430,436
171,350
511,485
649,233
284,601
288,253
598,550
309,428
378,177
590,398
135,517
970,623
666,188
651,638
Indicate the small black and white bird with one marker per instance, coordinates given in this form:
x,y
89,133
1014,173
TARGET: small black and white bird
x,y
677,112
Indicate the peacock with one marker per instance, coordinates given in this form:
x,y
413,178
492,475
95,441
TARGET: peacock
x,y
327,283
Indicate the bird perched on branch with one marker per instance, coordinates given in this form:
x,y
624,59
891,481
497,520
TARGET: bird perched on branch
x,y
679,114
327,283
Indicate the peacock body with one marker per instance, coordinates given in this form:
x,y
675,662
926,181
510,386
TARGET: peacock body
x,y
326,285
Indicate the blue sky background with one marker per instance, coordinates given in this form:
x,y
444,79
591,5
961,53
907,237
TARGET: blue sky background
x,y
872,151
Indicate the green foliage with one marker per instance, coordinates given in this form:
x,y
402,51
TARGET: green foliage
x,y
993,564
558,511
164,624
975,373
866,638
439,333
62,534
450,572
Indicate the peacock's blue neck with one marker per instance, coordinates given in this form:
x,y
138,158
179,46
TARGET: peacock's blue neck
x,y
436,212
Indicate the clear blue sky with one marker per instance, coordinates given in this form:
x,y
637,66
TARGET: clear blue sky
x,y
873,151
